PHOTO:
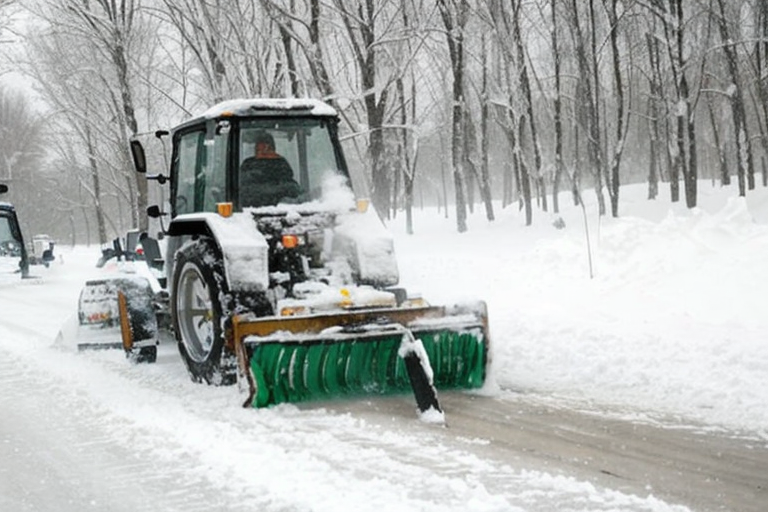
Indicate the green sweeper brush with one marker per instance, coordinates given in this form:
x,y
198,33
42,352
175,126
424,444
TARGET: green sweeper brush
x,y
375,351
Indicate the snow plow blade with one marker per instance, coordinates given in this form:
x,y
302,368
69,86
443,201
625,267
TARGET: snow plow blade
x,y
371,351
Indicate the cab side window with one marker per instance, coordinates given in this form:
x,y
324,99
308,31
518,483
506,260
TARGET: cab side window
x,y
201,172
190,182
214,172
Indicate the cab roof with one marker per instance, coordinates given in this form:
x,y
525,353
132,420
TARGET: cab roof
x,y
265,107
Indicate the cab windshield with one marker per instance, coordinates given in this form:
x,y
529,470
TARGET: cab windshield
x,y
284,160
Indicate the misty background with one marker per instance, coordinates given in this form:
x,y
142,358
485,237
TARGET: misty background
x,y
471,105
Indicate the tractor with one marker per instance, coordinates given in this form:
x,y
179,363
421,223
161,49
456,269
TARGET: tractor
x,y
278,273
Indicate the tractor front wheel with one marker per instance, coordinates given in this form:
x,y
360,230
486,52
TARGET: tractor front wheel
x,y
199,287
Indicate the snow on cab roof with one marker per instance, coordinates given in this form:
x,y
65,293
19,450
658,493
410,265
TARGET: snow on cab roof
x,y
255,106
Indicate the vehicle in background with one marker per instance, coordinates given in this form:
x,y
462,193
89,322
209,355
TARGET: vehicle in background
x,y
13,253
42,250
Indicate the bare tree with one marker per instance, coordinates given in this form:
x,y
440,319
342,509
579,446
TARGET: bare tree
x,y
21,154
301,23
685,161
655,112
521,126
5,15
361,28
235,47
409,108
108,26
454,14
78,137
621,114
485,178
746,169
584,38
89,51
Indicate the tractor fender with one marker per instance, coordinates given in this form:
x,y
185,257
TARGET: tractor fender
x,y
244,249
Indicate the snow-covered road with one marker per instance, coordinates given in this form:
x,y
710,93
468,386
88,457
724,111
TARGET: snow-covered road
x,y
131,441
59,454
90,430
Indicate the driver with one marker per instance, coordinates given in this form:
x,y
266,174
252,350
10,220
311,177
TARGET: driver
x,y
266,177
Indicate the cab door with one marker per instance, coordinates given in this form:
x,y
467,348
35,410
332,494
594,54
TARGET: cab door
x,y
200,170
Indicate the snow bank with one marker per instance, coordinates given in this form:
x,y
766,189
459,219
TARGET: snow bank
x,y
672,323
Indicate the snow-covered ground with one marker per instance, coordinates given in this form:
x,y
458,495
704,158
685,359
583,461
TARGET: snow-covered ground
x,y
672,324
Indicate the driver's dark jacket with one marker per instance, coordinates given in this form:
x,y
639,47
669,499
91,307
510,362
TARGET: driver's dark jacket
x,y
266,179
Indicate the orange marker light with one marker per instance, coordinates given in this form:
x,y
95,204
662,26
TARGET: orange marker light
x,y
346,298
290,241
224,209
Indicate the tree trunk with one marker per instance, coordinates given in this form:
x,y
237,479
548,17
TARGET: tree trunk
x,y
743,143
589,98
614,185
96,180
525,87
362,38
654,113
595,137
485,179
409,166
558,121
290,61
725,178
454,19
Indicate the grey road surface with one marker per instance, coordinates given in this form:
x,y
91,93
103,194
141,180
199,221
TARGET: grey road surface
x,y
676,462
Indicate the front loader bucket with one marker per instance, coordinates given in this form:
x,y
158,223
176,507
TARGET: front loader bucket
x,y
374,351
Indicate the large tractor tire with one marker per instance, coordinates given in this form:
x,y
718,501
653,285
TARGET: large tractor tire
x,y
198,314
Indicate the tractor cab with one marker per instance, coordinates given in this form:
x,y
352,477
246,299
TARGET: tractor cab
x,y
276,162
254,154
13,254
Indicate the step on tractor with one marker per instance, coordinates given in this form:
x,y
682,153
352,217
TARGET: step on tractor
x,y
279,275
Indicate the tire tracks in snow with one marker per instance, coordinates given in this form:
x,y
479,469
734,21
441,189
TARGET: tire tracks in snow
x,y
666,459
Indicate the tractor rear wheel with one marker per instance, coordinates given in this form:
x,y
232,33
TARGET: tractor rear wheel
x,y
199,287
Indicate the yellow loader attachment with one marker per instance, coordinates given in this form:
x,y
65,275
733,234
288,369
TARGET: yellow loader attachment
x,y
379,351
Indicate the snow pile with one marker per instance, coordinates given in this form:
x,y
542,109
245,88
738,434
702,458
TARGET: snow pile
x,y
672,323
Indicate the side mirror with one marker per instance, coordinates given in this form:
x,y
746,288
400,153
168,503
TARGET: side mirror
x,y
3,188
139,158
154,212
